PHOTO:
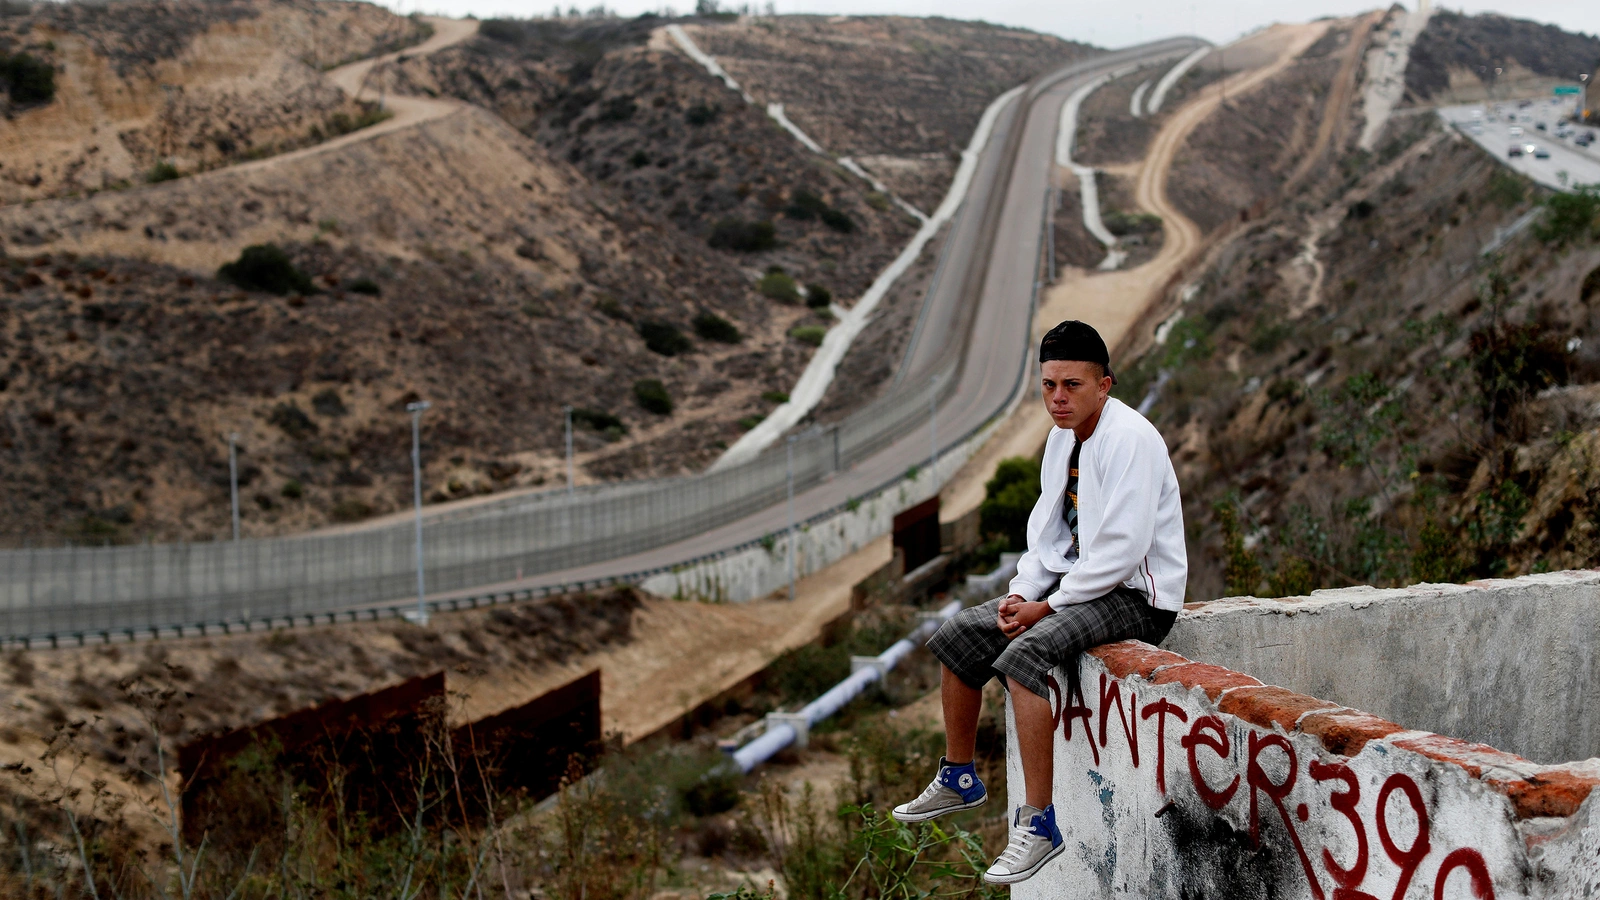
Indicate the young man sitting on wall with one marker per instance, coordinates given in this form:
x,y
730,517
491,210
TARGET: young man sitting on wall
x,y
1105,562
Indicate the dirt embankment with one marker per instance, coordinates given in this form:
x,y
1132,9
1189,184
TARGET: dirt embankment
x,y
193,85
1336,381
898,94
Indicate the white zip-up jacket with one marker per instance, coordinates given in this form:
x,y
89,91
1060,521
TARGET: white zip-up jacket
x,y
1130,518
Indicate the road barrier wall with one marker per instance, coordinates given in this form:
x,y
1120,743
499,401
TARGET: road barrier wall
x,y
1182,778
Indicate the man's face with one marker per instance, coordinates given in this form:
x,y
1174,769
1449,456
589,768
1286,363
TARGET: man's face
x,y
1074,391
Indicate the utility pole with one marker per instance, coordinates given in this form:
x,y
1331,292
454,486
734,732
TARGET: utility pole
x,y
416,409
233,479
788,457
569,452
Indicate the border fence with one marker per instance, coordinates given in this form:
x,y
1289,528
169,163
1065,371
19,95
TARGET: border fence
x,y
129,589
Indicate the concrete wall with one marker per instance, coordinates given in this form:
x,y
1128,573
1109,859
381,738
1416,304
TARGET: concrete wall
x,y
757,571
1512,664
1181,779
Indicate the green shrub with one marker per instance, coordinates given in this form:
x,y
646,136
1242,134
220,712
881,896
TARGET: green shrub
x,y
29,80
364,285
653,396
293,490
293,420
701,114
818,297
611,308
1570,216
350,510
749,422
664,339
639,159
743,236
877,201
265,267
603,422
809,334
777,285
713,327
163,171
805,205
775,397
1122,223
1008,499
838,220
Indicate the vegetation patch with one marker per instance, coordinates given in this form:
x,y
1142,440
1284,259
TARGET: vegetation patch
x,y
713,327
265,267
29,80
777,285
809,334
652,395
664,339
743,236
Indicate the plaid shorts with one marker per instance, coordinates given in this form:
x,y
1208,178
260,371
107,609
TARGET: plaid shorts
x,y
972,646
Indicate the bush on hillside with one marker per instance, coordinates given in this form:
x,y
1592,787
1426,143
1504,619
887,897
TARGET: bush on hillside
x,y
29,80
701,114
1123,224
653,396
817,296
777,285
265,267
713,327
743,236
805,205
838,220
364,285
601,421
1570,217
809,334
163,171
664,339
1008,498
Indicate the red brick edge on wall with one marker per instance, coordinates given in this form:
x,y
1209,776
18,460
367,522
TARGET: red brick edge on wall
x,y
1534,790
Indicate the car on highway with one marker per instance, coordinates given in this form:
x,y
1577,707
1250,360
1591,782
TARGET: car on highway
x,y
1541,153
1514,152
1515,131
1542,126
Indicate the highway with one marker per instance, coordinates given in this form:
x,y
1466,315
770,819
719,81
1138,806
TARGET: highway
x,y
1006,201
975,332
1493,132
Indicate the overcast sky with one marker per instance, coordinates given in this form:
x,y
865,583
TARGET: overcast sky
x,y
1110,24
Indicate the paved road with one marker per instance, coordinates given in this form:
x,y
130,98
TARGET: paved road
x,y
1493,131
998,324
979,314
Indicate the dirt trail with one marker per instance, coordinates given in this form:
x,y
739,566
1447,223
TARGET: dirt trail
x,y
667,670
1114,301
408,111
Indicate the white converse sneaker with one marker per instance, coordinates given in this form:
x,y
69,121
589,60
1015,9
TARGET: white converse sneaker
x,y
1032,845
955,788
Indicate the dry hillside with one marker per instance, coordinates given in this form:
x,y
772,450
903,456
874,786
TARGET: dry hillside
x,y
585,214
192,84
1455,58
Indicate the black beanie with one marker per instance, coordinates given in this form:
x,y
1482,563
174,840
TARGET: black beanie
x,y
1078,342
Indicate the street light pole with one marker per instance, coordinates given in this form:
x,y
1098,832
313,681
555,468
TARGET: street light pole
x,y
233,478
416,409
569,452
788,458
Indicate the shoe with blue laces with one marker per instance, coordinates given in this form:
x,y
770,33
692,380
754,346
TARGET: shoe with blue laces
x,y
1035,840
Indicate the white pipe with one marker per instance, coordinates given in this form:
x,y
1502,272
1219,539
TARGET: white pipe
x,y
1138,95
1171,78
688,46
1089,192
779,736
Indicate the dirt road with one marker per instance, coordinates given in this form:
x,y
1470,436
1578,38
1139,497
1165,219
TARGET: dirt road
x,y
1114,301
408,111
